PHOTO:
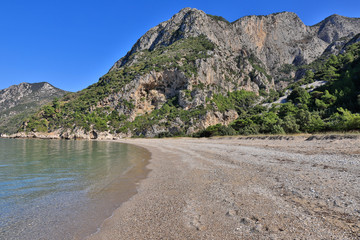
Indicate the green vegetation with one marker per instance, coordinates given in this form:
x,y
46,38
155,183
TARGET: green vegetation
x,y
215,130
272,96
218,18
258,66
332,107
288,68
255,63
237,100
180,55
81,109
164,117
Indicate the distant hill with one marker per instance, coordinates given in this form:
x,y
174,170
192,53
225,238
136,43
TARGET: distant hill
x,y
19,101
197,70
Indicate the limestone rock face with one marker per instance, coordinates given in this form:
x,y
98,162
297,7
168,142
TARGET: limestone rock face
x,y
275,39
250,54
18,101
335,27
16,94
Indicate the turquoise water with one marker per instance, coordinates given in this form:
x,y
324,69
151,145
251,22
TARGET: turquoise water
x,y
57,189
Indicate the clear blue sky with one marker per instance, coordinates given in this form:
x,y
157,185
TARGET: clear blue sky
x,y
70,44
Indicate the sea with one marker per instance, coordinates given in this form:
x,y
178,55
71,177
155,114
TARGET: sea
x,y
64,189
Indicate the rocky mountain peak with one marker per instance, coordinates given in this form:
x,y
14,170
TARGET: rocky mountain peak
x,y
279,15
15,94
19,100
336,26
276,39
189,61
186,23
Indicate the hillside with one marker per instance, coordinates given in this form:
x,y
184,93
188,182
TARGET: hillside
x,y
19,101
197,70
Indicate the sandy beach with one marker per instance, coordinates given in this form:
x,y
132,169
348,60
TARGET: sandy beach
x,y
244,188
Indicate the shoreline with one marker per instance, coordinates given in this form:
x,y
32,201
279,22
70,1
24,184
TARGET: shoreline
x,y
104,136
126,185
231,188
93,179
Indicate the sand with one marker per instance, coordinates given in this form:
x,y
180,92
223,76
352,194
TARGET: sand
x,y
244,188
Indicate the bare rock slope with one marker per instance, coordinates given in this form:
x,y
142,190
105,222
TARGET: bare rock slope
x,y
194,57
250,53
18,101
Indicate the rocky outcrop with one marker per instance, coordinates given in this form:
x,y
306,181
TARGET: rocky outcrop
x,y
19,101
27,92
76,134
253,53
275,39
336,27
250,54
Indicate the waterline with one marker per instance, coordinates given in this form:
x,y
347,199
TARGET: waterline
x,y
57,189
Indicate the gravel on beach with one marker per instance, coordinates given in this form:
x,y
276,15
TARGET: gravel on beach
x,y
287,187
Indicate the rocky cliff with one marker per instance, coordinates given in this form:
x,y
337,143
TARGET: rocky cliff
x,y
188,63
19,101
251,53
275,39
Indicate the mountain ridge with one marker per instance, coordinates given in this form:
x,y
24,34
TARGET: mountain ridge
x,y
149,41
189,61
19,101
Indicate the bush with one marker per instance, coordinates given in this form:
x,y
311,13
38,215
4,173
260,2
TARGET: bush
x,y
299,95
289,124
344,120
215,130
218,18
236,100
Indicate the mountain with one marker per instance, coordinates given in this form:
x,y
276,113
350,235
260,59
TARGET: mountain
x,y
20,101
196,70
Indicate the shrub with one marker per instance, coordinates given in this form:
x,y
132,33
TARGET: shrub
x,y
345,120
299,95
236,100
215,130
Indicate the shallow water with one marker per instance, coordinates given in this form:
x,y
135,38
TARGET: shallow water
x,y
56,189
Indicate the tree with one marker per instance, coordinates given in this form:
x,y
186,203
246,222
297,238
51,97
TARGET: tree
x,y
309,121
287,109
289,124
299,95
268,121
345,120
49,111
329,73
328,98
320,104
56,104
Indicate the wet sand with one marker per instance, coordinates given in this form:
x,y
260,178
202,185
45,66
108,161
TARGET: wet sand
x,y
120,190
244,188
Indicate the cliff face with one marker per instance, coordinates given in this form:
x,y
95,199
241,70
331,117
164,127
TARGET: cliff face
x,y
193,58
275,39
335,27
250,54
18,101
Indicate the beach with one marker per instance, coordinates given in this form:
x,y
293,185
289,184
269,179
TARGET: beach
x,y
281,187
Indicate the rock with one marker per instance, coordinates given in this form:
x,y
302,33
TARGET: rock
x,y
23,100
281,33
231,213
248,54
245,221
268,42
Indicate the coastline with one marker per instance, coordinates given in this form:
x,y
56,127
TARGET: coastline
x,y
119,191
247,188
82,184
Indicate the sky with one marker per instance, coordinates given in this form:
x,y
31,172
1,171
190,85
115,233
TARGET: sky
x,y
71,44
